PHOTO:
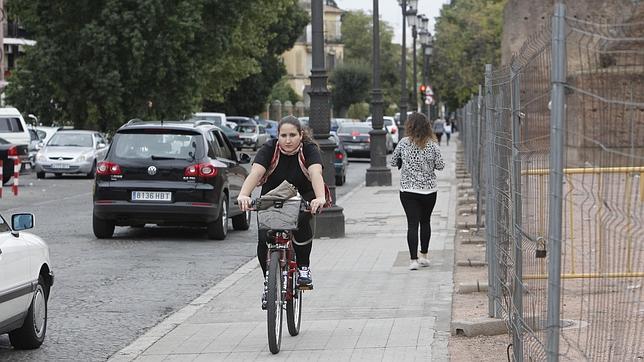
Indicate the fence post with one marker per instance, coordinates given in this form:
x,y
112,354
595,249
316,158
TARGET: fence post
x,y
490,238
479,153
555,182
516,219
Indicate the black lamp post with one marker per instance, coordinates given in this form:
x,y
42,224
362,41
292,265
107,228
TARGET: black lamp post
x,y
330,222
378,174
426,43
413,4
412,20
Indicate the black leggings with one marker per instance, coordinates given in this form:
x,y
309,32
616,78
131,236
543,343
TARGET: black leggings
x,y
418,208
303,237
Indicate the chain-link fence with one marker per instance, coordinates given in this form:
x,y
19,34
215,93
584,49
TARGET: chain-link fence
x,y
554,144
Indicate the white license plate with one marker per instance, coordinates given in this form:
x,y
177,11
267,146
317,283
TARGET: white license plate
x,y
59,165
151,196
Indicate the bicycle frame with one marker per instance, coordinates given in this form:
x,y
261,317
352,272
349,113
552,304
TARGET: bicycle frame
x,y
282,241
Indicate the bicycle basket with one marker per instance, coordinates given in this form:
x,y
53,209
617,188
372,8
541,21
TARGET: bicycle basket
x,y
278,214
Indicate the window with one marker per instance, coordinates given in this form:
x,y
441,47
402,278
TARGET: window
x,y
10,125
226,152
145,145
71,140
4,227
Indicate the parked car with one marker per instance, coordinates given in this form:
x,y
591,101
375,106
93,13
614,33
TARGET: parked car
x,y
336,122
240,120
170,173
71,152
340,161
14,129
357,141
254,136
45,133
271,127
391,126
8,152
215,118
25,282
34,146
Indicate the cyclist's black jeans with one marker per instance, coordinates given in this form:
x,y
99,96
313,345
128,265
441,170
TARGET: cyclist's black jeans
x,y
303,237
418,208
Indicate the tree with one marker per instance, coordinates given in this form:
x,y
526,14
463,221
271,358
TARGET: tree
x,y
282,91
468,36
101,62
350,83
251,94
357,35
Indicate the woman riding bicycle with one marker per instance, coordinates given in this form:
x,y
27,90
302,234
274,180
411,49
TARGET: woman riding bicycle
x,y
279,160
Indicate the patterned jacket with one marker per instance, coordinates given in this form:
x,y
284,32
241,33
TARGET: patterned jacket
x,y
418,165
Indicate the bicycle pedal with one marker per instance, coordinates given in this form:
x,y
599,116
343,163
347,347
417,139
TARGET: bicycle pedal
x,y
305,287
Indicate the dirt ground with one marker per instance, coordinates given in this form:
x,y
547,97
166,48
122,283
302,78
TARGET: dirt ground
x,y
473,305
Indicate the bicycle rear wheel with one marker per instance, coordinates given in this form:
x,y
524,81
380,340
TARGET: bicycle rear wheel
x,y
274,303
294,309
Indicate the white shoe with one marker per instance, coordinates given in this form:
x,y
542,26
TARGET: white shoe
x,y
413,265
423,261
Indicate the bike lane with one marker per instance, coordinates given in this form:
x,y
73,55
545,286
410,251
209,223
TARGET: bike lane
x,y
366,304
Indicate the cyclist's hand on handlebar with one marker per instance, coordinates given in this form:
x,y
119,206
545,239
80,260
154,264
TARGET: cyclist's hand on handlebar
x,y
316,204
244,202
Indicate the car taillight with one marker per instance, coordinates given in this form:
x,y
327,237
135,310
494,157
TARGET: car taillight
x,y
106,168
201,170
339,156
393,130
12,151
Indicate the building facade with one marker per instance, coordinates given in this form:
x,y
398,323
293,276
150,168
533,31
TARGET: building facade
x,y
298,60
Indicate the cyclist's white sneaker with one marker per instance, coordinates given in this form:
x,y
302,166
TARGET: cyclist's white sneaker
x,y
413,265
422,261
304,277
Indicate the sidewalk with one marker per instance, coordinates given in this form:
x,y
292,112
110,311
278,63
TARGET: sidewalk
x,y
366,306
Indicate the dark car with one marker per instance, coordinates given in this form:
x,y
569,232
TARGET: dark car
x,y
340,161
241,120
356,139
233,137
8,154
176,174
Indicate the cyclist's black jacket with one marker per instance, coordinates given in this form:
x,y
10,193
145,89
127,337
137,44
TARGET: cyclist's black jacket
x,y
288,168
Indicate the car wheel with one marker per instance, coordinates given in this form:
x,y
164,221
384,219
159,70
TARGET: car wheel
x,y
218,229
103,229
241,221
92,172
40,175
32,333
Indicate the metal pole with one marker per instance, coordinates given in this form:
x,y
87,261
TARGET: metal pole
x,y
414,34
515,167
331,222
403,75
425,77
479,153
3,18
378,174
557,121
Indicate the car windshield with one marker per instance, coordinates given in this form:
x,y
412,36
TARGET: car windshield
x,y
216,120
155,146
246,129
71,140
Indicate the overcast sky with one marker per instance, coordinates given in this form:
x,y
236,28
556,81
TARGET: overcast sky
x,y
391,13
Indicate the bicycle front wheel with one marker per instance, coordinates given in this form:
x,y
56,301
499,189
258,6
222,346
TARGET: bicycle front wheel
x,y
274,303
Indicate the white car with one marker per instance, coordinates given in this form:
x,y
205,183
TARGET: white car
x,y
392,127
71,151
253,136
25,283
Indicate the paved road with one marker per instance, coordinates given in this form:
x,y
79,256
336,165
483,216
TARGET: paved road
x,y
108,292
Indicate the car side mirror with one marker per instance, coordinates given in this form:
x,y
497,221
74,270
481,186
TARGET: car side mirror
x,y
22,221
244,158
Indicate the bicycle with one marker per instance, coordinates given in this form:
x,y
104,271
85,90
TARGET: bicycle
x,y
280,218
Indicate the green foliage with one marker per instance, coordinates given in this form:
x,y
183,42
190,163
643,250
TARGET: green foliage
x,y
350,83
359,111
468,36
282,91
98,63
357,35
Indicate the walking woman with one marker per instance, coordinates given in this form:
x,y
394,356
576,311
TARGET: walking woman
x,y
420,157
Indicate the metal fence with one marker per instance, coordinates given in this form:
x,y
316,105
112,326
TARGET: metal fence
x,y
554,144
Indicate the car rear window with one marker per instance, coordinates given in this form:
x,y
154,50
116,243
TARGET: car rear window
x,y
350,129
246,129
172,145
10,125
71,140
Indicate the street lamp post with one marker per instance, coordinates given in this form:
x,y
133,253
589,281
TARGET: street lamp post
x,y
378,174
403,73
425,41
329,223
412,20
